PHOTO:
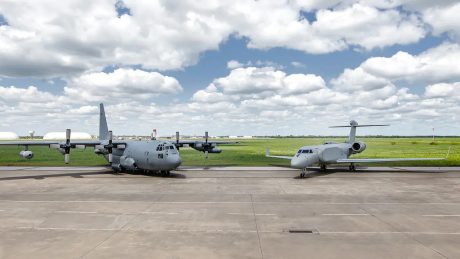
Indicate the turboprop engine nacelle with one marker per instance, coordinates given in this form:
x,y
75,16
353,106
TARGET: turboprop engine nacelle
x,y
128,163
358,147
26,154
215,150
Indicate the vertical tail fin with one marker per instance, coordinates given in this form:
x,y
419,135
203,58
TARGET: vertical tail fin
x,y
103,128
352,136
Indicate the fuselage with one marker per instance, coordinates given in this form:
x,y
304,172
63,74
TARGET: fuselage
x,y
152,155
325,154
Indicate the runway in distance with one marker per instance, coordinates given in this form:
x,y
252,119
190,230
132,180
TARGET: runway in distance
x,y
337,153
148,155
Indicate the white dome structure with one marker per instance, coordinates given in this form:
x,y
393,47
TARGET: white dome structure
x,y
61,135
8,136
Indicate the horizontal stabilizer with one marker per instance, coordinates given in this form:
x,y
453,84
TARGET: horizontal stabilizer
x,y
358,126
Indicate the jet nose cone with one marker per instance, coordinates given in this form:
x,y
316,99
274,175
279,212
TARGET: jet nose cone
x,y
298,163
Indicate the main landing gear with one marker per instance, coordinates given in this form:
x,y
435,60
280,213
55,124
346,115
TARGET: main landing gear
x,y
323,168
303,173
352,167
165,173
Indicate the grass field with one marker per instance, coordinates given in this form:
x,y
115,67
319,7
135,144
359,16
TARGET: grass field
x,y
252,152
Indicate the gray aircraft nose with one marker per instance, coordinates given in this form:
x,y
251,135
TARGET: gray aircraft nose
x,y
303,161
298,163
175,161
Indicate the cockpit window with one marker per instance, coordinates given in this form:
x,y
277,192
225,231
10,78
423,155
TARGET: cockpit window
x,y
304,151
300,151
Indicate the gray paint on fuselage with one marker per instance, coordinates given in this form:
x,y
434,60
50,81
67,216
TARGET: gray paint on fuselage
x,y
322,154
147,157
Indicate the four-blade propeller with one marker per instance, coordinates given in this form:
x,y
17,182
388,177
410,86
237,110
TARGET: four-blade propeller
x,y
67,146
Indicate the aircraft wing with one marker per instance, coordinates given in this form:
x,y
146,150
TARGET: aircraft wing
x,y
377,160
53,142
192,142
267,154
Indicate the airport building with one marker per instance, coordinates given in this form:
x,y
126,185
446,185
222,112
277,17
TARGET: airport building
x,y
8,136
61,135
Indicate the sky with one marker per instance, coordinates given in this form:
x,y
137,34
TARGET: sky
x,y
240,67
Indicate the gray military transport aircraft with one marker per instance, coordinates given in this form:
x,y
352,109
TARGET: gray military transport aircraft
x,y
337,153
151,155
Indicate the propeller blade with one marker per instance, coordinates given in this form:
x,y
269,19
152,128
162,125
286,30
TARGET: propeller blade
x,y
206,154
206,136
66,158
110,147
177,137
67,136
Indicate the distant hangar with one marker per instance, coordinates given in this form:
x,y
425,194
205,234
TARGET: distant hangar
x,y
8,136
61,135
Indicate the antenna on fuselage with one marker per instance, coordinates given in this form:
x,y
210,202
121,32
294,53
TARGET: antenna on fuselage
x,y
353,125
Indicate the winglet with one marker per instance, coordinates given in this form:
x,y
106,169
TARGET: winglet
x,y
267,152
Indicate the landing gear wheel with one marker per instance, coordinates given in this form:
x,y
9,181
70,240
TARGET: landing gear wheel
x,y
165,173
323,168
303,173
352,168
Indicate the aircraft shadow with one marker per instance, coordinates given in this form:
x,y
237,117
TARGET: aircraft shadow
x,y
83,174
43,176
173,174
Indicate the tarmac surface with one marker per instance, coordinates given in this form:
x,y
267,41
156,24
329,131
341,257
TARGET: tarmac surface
x,y
231,212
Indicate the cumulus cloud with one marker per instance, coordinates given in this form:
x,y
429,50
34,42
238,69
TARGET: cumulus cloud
x,y
444,19
443,90
30,94
120,84
434,65
80,37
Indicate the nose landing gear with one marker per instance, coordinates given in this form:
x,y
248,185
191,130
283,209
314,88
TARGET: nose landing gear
x,y
303,173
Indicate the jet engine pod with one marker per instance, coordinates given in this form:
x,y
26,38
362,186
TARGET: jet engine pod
x,y
358,147
26,154
128,163
215,150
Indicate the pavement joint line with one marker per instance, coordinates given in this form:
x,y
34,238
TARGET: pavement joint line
x,y
346,214
158,212
406,234
121,229
241,202
257,227
441,215
240,231
252,214
389,232
76,212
